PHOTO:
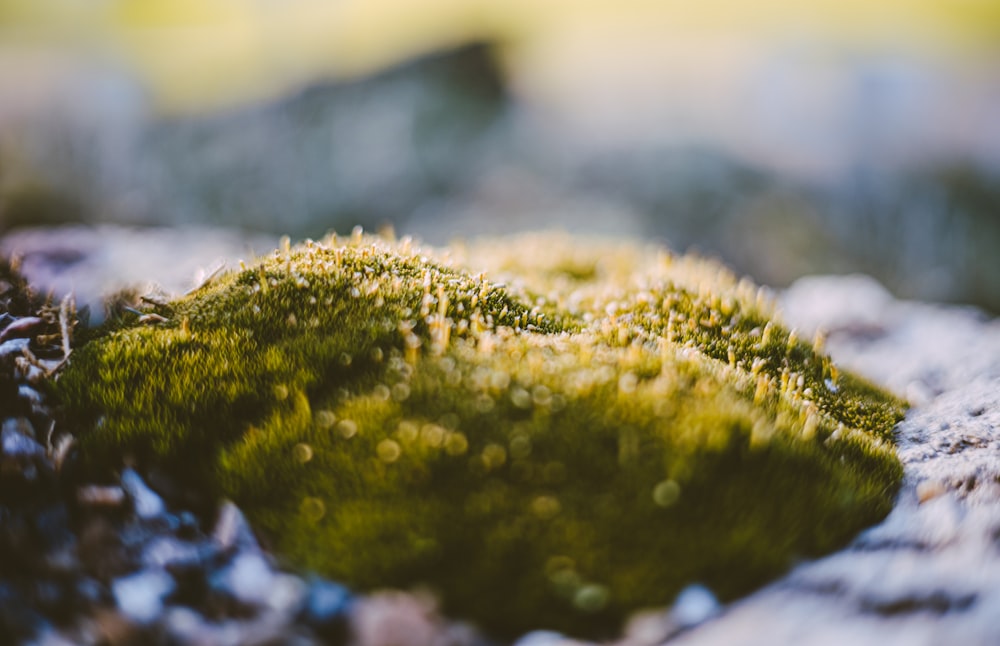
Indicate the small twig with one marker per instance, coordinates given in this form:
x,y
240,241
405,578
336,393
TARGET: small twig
x,y
47,370
147,318
60,449
152,300
207,280
64,323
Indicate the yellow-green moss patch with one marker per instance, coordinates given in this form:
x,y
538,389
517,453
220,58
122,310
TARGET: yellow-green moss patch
x,y
610,425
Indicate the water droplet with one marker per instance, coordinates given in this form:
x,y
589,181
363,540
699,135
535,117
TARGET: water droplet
x,y
407,431
546,507
484,403
520,397
347,428
456,444
666,493
499,380
627,383
312,508
432,435
592,597
302,453
541,395
400,392
520,446
494,456
388,451
140,596
555,564
325,419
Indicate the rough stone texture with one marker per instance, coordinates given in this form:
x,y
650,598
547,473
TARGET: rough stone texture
x,y
930,573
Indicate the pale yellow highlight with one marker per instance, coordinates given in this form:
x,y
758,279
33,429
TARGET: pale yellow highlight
x,y
198,54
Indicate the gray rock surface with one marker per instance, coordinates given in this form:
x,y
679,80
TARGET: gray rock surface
x,y
930,572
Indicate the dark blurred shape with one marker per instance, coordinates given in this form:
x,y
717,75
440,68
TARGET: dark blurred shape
x,y
330,156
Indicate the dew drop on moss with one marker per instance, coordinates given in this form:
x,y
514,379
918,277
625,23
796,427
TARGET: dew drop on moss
x,y
546,507
312,508
325,419
388,451
302,453
432,435
400,392
407,431
347,428
666,493
591,597
456,444
494,456
520,446
520,397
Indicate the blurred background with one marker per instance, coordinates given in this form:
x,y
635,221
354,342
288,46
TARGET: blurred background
x,y
786,138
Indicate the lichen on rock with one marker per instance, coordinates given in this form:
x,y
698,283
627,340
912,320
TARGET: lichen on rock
x,y
610,425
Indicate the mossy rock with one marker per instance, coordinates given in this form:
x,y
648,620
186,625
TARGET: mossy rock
x,y
611,425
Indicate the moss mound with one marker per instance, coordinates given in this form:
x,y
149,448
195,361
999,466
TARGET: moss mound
x,y
611,425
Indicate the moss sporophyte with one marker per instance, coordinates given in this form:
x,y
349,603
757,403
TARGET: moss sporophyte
x,y
607,425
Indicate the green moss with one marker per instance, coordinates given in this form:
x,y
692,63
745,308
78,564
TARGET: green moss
x,y
611,425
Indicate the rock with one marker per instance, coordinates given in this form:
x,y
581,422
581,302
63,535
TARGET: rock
x,y
327,608
21,328
287,594
694,605
395,619
166,551
19,426
146,502
544,638
140,596
648,628
232,532
16,444
187,525
186,626
248,578
30,395
18,620
100,548
22,459
922,349
113,627
930,572
105,496
49,637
